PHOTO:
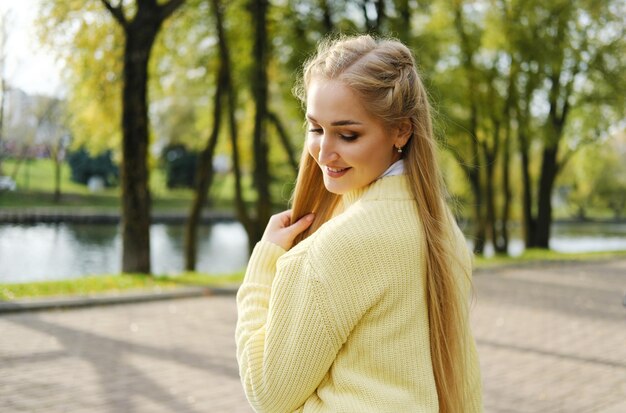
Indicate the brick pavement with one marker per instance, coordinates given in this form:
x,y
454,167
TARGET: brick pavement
x,y
551,339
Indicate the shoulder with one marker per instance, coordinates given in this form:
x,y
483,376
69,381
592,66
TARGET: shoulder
x,y
368,237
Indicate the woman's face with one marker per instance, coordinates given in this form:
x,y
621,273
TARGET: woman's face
x,y
351,146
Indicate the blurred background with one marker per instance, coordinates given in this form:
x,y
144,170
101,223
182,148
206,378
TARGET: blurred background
x,y
158,137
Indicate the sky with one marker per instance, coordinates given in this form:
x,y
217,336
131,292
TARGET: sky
x,y
29,65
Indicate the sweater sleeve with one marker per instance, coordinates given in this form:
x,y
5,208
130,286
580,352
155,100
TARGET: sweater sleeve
x,y
284,347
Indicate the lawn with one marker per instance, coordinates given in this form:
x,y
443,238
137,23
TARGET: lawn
x,y
111,283
35,189
132,282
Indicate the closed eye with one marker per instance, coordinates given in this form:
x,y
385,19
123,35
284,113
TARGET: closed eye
x,y
315,130
349,138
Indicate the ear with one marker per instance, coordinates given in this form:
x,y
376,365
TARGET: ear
x,y
405,130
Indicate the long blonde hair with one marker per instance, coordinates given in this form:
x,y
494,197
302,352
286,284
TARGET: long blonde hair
x,y
383,74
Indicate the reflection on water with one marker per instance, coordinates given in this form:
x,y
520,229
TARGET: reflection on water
x,y
588,237
61,251
569,237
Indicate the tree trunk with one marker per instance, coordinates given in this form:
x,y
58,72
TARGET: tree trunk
x,y
490,201
140,33
135,179
240,206
3,91
58,163
559,108
18,162
328,17
474,168
204,171
404,19
204,179
261,173
231,94
502,246
479,220
380,14
529,223
284,140
549,169
3,84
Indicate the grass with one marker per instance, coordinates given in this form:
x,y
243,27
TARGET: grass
x,y
539,256
35,189
132,282
111,283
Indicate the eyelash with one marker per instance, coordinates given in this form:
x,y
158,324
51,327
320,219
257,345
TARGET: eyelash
x,y
347,138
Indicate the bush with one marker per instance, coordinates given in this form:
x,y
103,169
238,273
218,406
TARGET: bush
x,y
85,166
180,166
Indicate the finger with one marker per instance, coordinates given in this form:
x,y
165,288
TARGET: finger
x,y
279,220
284,218
303,223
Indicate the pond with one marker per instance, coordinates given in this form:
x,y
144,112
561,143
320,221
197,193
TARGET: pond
x,y
571,238
62,251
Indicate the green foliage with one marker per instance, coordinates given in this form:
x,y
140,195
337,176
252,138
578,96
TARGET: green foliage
x,y
84,166
532,45
86,38
180,166
595,179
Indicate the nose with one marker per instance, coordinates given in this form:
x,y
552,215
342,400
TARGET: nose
x,y
326,150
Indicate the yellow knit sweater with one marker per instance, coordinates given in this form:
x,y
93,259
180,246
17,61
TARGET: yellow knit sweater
x,y
339,323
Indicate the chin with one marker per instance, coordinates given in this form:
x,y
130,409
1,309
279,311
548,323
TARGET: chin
x,y
334,188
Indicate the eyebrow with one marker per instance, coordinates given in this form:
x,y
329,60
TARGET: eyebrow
x,y
337,122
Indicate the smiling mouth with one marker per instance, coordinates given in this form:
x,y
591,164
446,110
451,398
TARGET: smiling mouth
x,y
336,172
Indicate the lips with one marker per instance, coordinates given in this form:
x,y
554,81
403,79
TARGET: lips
x,y
334,172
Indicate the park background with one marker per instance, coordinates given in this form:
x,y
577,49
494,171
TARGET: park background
x,y
529,110
528,99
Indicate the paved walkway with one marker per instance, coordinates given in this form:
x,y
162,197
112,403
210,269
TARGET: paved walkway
x,y
551,339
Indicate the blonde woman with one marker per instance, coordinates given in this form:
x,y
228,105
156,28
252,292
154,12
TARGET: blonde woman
x,y
356,300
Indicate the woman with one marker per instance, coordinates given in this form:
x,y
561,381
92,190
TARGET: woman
x,y
356,299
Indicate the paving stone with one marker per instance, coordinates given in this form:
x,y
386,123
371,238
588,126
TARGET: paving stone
x,y
550,339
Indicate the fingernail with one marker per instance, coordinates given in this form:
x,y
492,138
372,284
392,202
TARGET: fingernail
x,y
310,217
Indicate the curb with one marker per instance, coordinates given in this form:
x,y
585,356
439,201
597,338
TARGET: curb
x,y
59,303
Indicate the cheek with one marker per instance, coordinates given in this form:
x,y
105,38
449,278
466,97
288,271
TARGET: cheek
x,y
313,147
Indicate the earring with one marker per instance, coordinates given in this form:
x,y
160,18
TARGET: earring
x,y
399,148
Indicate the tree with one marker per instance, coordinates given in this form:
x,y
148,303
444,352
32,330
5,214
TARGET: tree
x,y
205,172
526,84
259,83
139,35
39,126
568,53
57,140
3,83
596,177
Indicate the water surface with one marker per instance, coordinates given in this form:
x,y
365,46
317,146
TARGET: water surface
x,y
62,251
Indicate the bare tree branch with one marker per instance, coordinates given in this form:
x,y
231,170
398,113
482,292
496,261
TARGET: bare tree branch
x,y
284,139
116,11
168,8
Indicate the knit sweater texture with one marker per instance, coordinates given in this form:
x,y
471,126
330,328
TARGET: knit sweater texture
x,y
339,323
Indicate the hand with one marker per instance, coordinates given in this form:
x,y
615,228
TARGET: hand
x,y
282,232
